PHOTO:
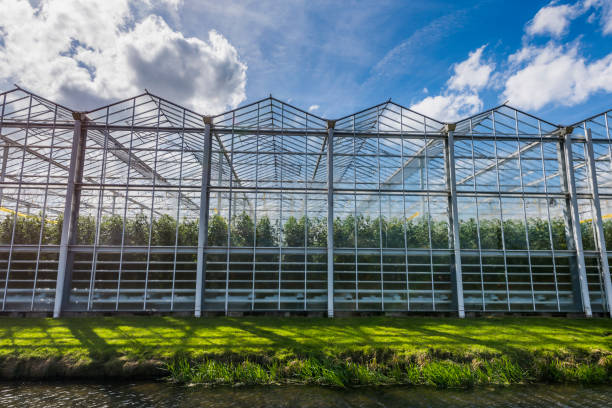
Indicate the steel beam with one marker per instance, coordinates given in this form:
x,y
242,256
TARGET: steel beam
x,y
598,222
71,208
30,150
415,157
288,132
109,249
5,154
127,156
330,218
451,182
203,226
501,161
172,130
573,222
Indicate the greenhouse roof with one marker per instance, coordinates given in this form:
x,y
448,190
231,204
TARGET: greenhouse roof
x,y
271,113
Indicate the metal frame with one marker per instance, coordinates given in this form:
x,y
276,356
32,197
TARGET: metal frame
x,y
575,221
71,211
203,225
598,221
330,218
457,276
135,179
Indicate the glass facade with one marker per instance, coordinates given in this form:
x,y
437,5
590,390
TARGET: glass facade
x,y
146,206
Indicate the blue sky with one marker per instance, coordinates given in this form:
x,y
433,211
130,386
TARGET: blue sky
x,y
349,56
447,59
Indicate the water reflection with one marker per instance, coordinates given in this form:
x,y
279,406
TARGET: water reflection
x,y
165,395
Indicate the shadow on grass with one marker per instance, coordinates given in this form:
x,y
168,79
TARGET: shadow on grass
x,y
139,338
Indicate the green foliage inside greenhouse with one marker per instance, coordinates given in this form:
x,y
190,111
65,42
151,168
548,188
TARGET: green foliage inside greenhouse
x,y
349,232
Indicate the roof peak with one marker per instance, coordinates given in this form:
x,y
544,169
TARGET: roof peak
x,y
380,109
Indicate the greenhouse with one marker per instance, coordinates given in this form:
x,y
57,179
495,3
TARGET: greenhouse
x,y
146,206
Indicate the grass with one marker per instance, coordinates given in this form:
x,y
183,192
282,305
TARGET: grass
x,y
443,374
339,352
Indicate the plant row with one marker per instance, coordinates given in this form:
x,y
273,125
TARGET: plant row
x,y
350,231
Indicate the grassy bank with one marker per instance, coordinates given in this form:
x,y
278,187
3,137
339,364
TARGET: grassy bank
x,y
341,352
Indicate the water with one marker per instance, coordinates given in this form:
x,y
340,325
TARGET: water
x,y
166,395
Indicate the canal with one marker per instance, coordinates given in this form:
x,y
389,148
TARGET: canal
x,y
166,395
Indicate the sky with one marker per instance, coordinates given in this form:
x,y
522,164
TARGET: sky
x,y
444,59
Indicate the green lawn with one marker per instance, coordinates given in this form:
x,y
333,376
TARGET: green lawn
x,y
164,337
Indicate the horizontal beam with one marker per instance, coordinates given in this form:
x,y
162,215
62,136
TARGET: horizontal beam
x,y
498,162
290,132
111,249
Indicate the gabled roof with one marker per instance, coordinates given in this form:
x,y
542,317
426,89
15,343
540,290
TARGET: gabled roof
x,y
146,109
388,117
20,105
599,125
149,110
269,113
504,120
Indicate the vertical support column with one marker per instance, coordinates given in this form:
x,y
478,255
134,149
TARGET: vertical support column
x,y
579,279
330,218
567,222
598,222
71,213
5,154
451,183
203,225
219,180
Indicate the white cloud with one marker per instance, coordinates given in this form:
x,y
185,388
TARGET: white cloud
x,y
450,107
553,20
173,3
607,19
461,99
605,7
57,49
534,76
313,108
555,74
471,73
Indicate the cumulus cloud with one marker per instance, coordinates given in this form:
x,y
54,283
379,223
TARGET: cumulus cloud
x,y
471,73
57,49
558,73
461,98
553,20
450,107
555,74
313,108
173,3
534,76
605,9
